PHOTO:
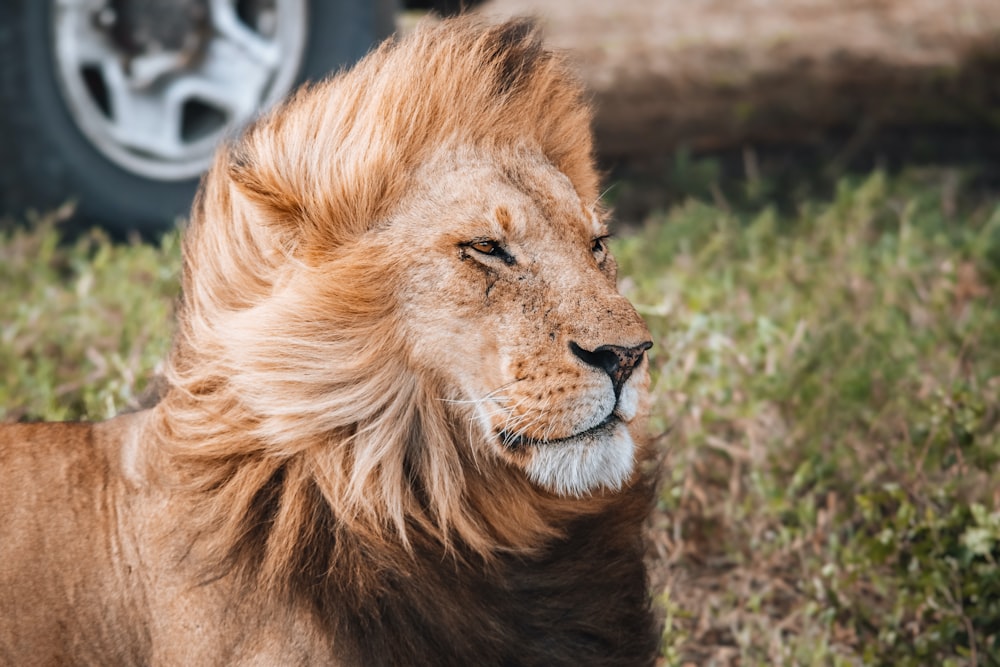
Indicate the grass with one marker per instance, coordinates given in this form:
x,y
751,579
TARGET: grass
x,y
828,383
82,325
827,386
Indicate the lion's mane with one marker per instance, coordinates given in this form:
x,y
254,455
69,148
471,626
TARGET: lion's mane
x,y
314,461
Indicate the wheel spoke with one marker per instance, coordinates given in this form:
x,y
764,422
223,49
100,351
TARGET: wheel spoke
x,y
231,29
143,119
225,79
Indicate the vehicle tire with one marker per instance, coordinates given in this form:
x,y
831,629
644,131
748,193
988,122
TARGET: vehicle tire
x,y
49,154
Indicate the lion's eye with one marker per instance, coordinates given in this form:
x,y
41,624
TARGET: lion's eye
x,y
491,248
486,247
599,247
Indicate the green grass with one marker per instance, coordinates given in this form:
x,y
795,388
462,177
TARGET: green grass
x,y
82,326
827,389
828,384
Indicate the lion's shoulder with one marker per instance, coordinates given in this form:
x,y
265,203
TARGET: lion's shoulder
x,y
31,451
83,449
61,542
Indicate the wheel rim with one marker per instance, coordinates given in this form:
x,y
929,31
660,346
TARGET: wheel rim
x,y
160,112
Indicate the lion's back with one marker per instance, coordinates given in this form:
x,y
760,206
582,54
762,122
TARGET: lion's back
x,y
57,542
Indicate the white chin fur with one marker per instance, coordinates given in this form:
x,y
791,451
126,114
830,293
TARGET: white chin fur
x,y
628,402
582,465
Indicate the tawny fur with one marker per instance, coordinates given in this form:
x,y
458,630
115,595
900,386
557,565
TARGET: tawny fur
x,y
324,470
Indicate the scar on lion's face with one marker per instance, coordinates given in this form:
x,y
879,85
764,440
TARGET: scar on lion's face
x,y
518,306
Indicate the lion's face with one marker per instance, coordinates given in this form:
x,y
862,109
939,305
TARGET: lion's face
x,y
509,297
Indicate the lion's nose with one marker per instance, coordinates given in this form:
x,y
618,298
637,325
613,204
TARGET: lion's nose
x,y
617,361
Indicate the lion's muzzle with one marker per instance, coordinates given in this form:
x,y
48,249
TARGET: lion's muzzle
x,y
617,361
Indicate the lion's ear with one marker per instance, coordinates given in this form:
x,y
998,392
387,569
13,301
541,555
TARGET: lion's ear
x,y
536,87
514,50
276,183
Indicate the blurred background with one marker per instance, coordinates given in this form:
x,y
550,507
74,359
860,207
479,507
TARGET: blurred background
x,y
779,88
807,201
117,105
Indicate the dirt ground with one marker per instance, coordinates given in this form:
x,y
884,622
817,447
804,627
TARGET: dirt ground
x,y
710,74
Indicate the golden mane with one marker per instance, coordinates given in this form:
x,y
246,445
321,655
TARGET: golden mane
x,y
292,413
403,409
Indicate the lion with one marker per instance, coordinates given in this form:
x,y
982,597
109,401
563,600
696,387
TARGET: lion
x,y
404,410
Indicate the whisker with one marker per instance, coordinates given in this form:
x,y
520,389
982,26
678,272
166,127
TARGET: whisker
x,y
489,396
